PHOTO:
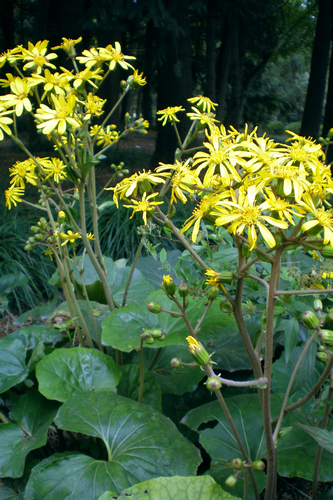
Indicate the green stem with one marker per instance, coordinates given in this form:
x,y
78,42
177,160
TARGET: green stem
x,y
155,358
292,378
303,292
327,413
246,484
134,263
142,372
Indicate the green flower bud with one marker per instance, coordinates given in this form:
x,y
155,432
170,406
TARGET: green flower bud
x,y
213,384
183,290
310,320
168,285
154,307
224,277
246,252
156,333
225,306
173,211
197,351
213,294
262,257
35,229
326,336
231,481
175,363
32,240
258,465
186,303
322,356
149,340
61,216
327,252
42,223
28,247
237,463
176,315
317,305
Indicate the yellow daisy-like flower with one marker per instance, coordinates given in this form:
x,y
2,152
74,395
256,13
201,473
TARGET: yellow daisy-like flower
x,y
36,56
302,152
93,105
55,168
203,118
58,118
115,56
90,236
202,210
262,152
54,82
84,76
129,187
183,180
247,215
91,58
23,171
144,205
282,207
68,45
19,97
290,179
322,217
4,122
69,237
204,102
193,344
138,79
169,114
105,136
13,196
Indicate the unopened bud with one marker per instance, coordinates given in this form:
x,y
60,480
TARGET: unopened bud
x,y
168,285
61,217
213,384
258,465
310,320
326,336
154,307
175,363
197,351
231,481
35,229
237,463
157,334
322,356
183,290
317,305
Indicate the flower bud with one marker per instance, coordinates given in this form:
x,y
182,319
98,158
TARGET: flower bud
x,y
225,306
237,463
258,465
317,305
327,252
35,229
213,384
156,333
246,252
326,336
213,294
168,285
224,277
32,240
322,356
175,363
310,320
154,307
197,351
39,237
28,247
231,481
262,257
42,223
149,340
61,216
183,290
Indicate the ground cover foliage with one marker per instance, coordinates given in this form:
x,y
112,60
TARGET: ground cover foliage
x,y
216,348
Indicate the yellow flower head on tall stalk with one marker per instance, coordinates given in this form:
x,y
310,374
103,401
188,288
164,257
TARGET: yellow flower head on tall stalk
x,y
261,153
4,122
22,172
56,169
11,56
105,136
84,76
183,179
58,118
69,237
322,218
93,105
280,206
37,57
138,78
115,56
68,46
19,97
144,205
245,214
13,196
321,183
204,103
129,187
169,114
202,210
202,118
54,82
290,179
302,152
91,58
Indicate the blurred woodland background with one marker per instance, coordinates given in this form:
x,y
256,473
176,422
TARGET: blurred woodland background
x,y
265,62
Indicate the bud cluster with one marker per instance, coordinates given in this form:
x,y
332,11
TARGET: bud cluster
x,y
149,336
42,233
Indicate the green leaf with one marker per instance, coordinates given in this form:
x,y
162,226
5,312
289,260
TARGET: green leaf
x,y
129,386
32,335
141,443
151,269
92,280
219,441
31,415
66,371
139,289
180,488
10,281
13,368
323,437
291,327
9,494
296,456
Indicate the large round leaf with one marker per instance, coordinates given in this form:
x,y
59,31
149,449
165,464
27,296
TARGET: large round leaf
x,y
129,386
31,417
219,441
66,371
180,488
141,443
32,335
13,369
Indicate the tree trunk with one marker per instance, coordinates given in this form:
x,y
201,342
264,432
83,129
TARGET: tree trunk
x,y
313,109
7,23
223,67
211,50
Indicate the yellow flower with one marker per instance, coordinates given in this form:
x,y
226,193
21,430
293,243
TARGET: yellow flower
x,y
322,217
55,168
36,56
197,351
183,179
11,56
205,102
193,344
60,117
93,105
169,114
144,205
84,76
57,82
290,179
262,152
115,56
282,207
90,236
68,45
247,215
13,196
19,98
138,79
4,122
106,136
69,237
23,171
203,118
200,211
129,187
91,57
